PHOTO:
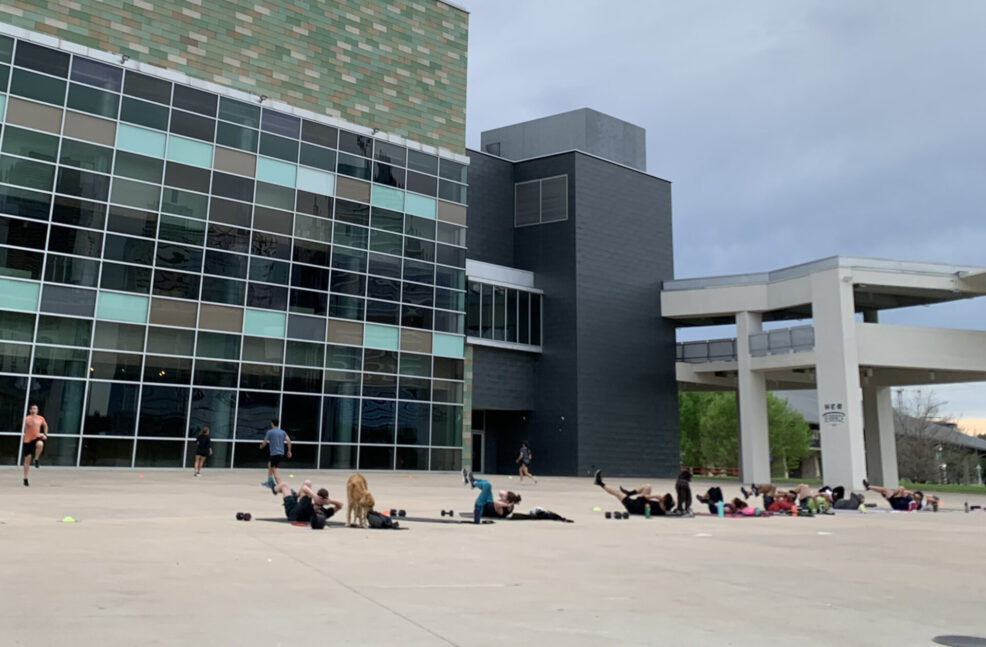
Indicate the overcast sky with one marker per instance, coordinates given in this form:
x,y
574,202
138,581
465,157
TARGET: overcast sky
x,y
791,131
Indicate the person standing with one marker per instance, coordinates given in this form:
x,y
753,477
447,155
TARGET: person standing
x,y
203,449
280,444
35,435
524,460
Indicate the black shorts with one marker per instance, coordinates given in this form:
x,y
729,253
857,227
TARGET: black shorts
x,y
201,454
28,448
900,502
275,460
637,505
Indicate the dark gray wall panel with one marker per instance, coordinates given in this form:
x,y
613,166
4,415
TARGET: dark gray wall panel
x,y
502,379
627,392
490,217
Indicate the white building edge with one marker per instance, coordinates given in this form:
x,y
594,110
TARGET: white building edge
x,y
853,361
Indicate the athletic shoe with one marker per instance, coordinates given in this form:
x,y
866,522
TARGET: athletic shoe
x,y
753,487
866,484
37,464
465,476
471,479
689,512
597,479
26,483
746,493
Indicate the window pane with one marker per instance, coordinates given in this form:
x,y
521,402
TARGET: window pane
x,y
239,112
162,411
377,421
170,341
262,349
93,101
75,241
280,123
42,59
72,271
199,101
218,345
320,134
112,409
63,331
101,75
115,366
16,326
78,212
144,113
413,422
340,419
168,370
28,143
236,137
147,87
60,402
300,416
86,156
38,87
119,336
35,175
214,409
422,162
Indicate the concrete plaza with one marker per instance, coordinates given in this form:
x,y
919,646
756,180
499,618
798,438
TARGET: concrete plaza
x,y
159,559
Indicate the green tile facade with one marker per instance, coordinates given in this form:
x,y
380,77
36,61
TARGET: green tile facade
x,y
396,66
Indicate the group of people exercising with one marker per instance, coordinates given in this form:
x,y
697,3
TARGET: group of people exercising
x,y
643,500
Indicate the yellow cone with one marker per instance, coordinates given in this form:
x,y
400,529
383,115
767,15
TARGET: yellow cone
x,y
68,520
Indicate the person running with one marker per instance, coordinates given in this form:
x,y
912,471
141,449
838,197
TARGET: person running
x,y
303,504
903,499
203,449
280,443
524,460
486,505
35,435
636,501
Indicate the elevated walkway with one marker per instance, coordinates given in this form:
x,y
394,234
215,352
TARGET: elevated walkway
x,y
852,363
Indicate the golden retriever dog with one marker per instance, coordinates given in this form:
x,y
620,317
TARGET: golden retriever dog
x,y
360,500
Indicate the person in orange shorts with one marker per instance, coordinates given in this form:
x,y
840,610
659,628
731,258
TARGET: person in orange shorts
x,y
35,435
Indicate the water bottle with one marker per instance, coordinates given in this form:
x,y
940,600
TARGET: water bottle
x,y
647,510
721,508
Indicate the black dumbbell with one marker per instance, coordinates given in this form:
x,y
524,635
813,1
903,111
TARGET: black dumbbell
x,y
239,516
617,515
626,515
247,516
401,513
393,512
609,515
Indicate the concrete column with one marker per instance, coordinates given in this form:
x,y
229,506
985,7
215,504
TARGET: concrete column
x,y
878,435
751,398
837,368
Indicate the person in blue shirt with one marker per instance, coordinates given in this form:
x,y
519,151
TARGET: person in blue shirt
x,y
280,445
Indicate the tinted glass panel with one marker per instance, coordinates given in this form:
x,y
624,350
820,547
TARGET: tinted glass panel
x,y
28,143
214,409
147,87
187,177
78,212
280,123
144,113
232,186
239,112
162,411
127,278
86,156
15,262
101,75
198,101
279,147
356,144
196,126
23,233
39,87
111,409
227,211
378,421
319,134
97,102
42,59
422,162
73,271
269,271
232,265
353,166
75,241
237,137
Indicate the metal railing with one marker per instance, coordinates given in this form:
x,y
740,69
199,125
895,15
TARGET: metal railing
x,y
796,339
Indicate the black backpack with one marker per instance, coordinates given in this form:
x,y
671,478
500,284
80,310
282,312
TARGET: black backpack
x,y
377,520
318,521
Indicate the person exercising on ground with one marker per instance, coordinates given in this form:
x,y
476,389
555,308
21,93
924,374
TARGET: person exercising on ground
x,y
902,498
486,505
303,504
635,501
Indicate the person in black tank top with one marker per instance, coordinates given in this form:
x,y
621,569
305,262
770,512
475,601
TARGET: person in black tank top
x,y
524,460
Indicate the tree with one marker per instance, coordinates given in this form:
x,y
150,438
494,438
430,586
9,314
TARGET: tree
x,y
710,431
919,451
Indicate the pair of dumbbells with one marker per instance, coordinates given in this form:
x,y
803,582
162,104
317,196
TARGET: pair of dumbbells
x,y
448,513
243,516
619,514
397,513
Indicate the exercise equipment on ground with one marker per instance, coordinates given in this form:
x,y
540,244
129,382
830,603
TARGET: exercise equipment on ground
x,y
448,513
243,516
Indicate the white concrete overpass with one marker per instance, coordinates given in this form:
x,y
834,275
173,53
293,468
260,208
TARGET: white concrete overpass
x,y
853,361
